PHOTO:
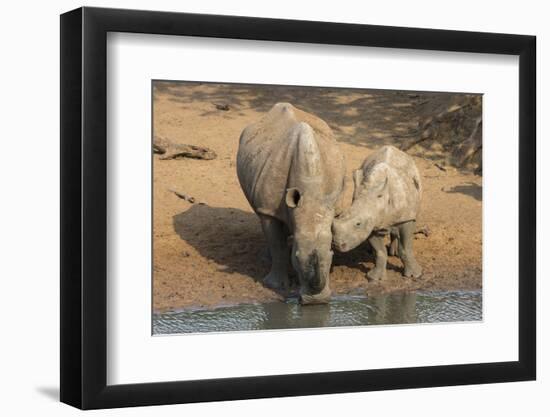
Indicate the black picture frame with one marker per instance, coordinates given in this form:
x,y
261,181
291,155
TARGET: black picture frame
x,y
84,207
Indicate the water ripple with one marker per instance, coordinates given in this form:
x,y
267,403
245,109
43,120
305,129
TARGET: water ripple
x,y
419,307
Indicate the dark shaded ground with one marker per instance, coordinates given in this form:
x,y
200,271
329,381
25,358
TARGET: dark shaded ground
x,y
357,116
244,253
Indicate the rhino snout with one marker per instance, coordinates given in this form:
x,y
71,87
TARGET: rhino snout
x,y
322,297
340,246
313,270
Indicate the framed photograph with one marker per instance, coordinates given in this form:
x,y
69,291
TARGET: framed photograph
x,y
259,208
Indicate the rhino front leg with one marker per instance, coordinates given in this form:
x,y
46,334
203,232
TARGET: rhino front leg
x,y
406,253
393,249
276,235
381,257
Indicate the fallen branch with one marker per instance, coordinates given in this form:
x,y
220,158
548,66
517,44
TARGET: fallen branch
x,y
190,151
184,196
428,129
160,144
440,167
158,149
426,134
470,146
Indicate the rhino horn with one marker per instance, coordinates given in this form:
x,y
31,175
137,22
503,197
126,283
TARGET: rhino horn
x,y
307,156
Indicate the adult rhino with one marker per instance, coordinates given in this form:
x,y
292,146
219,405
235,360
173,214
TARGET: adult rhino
x,y
386,200
292,173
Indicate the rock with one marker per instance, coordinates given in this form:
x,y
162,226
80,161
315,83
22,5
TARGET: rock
x,y
222,107
425,230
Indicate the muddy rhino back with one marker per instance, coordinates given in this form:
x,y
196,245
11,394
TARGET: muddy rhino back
x,y
266,150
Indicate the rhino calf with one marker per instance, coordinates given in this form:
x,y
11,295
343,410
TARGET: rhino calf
x,y
292,174
386,199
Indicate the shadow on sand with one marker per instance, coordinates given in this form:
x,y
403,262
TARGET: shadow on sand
x,y
233,239
471,189
230,237
362,117
357,116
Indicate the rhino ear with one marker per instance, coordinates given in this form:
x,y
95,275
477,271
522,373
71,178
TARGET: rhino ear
x,y
293,197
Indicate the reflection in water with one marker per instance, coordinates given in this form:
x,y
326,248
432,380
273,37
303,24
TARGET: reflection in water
x,y
420,307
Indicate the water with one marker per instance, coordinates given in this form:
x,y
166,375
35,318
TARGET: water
x,y
419,307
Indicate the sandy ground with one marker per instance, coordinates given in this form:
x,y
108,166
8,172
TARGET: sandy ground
x,y
213,252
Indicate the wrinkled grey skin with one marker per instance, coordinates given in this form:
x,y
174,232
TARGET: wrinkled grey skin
x,y
386,200
292,173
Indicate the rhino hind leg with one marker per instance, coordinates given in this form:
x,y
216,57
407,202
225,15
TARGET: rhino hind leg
x,y
406,253
277,236
381,257
393,248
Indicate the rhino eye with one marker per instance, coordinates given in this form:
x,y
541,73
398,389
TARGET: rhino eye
x,y
358,224
380,196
